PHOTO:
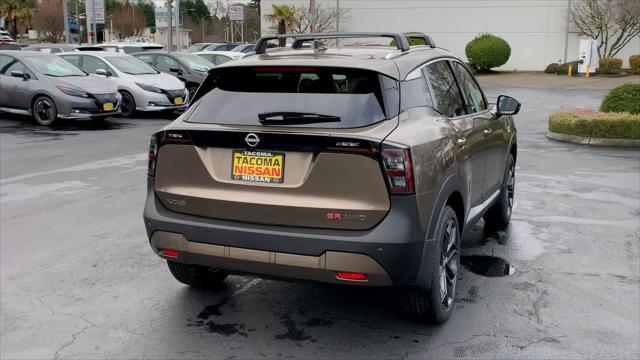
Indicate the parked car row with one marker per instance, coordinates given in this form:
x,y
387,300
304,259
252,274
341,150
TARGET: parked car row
x,y
79,82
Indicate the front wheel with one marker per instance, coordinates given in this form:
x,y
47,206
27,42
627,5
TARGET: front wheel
x,y
128,106
436,304
44,111
499,215
200,277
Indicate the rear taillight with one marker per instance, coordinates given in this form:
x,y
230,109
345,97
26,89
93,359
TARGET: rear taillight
x,y
164,138
396,164
153,155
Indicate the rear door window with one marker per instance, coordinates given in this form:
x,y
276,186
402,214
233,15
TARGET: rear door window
x,y
90,64
166,63
74,59
241,95
473,95
447,98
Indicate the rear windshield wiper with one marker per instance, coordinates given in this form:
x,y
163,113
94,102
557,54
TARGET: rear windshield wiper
x,y
295,118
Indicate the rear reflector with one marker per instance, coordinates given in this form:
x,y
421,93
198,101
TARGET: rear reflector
x,y
351,276
396,164
169,253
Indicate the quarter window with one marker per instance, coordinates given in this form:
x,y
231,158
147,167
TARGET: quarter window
x,y
165,63
4,61
472,93
446,95
90,64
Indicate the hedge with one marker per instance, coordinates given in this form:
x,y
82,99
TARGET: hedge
x,y
553,68
596,124
610,66
634,64
487,51
624,98
564,68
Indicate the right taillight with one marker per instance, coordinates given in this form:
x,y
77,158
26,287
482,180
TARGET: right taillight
x,y
396,164
153,155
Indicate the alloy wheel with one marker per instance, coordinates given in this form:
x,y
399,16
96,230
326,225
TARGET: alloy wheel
x,y
449,264
44,111
511,185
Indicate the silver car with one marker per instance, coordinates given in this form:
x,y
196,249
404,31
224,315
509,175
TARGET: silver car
x,y
143,88
47,87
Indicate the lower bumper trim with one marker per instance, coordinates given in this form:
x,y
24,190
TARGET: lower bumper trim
x,y
321,268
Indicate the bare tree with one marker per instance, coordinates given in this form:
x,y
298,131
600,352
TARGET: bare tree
x,y
326,19
126,22
49,22
613,22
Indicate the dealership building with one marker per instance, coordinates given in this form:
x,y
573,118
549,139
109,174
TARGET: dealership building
x,y
536,30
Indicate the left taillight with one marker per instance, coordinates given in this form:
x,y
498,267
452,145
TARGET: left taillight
x,y
397,168
153,155
164,138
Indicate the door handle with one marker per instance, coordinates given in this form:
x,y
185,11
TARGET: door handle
x,y
487,132
461,142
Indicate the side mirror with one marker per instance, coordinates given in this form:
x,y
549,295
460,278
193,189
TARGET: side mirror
x,y
506,105
20,74
102,72
175,70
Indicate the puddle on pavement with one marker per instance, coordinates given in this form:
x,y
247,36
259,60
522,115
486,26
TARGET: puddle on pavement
x,y
487,265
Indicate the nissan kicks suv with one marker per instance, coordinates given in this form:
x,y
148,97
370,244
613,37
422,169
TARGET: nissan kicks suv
x,y
357,165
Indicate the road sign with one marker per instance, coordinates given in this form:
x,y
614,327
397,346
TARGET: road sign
x,y
162,18
97,8
236,13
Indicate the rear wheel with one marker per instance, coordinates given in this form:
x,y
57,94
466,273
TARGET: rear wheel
x,y
200,277
128,106
44,111
436,304
499,215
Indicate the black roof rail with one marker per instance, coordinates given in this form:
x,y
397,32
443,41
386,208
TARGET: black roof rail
x,y
428,40
261,44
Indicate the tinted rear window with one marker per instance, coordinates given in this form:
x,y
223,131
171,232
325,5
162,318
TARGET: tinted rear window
x,y
238,95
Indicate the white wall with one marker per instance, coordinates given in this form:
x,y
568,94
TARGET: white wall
x,y
535,29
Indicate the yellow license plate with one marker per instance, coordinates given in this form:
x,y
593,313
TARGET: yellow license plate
x,y
178,100
258,166
107,106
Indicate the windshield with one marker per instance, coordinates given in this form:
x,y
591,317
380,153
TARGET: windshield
x,y
195,48
195,62
327,97
54,66
130,65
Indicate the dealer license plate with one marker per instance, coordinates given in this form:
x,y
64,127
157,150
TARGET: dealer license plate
x,y
258,166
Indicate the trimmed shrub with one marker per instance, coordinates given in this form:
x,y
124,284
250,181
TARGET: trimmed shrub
x,y
487,51
624,98
610,66
552,68
634,64
564,68
596,125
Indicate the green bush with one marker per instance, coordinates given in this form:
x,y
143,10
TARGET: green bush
x,y
553,68
487,51
625,98
596,125
564,68
610,66
634,64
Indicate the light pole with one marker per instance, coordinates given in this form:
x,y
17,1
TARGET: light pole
x,y
169,26
182,27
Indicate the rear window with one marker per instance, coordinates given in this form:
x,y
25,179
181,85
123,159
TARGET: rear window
x,y
239,95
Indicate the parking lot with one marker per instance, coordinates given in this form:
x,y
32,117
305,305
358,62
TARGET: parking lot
x,y
79,280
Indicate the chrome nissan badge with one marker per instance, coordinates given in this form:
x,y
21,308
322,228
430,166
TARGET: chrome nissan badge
x,y
252,139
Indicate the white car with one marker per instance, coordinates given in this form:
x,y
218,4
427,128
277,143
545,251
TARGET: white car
x,y
142,87
5,38
219,57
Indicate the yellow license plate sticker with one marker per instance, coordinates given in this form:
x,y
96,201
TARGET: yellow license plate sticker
x,y
178,100
258,166
107,106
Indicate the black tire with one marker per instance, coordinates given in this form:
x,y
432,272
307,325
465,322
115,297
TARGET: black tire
x,y
436,304
200,277
128,106
44,111
499,215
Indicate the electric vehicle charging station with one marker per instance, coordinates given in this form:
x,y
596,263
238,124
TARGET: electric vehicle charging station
x,y
587,55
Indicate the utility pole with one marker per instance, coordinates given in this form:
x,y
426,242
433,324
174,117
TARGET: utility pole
x,y
312,11
170,26
78,23
337,15
67,32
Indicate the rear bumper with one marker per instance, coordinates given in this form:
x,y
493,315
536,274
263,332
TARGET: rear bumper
x,y
389,253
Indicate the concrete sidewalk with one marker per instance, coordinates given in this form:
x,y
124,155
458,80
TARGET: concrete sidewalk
x,y
541,80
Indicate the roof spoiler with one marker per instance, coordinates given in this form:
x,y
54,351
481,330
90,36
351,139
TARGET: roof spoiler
x,y
400,39
428,40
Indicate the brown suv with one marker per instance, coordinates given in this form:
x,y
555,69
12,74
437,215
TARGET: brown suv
x,y
357,165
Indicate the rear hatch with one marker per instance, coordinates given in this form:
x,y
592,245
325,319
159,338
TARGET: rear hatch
x,y
294,146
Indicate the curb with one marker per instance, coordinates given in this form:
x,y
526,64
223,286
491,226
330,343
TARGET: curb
x,y
593,141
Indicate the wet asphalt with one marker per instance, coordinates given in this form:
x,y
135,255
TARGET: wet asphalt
x,y
78,279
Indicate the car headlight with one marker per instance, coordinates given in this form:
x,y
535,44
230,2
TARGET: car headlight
x,y
73,92
149,88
